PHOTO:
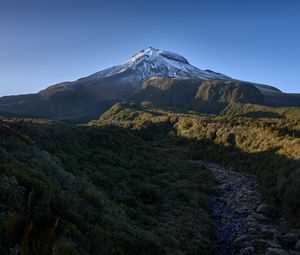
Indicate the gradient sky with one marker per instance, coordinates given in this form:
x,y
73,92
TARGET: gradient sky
x,y
43,42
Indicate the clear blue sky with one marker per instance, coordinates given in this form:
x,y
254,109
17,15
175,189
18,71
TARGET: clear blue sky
x,y
43,42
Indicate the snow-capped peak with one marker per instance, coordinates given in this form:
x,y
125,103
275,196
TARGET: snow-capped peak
x,y
153,62
150,54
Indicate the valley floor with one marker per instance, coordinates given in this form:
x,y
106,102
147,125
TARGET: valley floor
x,y
243,224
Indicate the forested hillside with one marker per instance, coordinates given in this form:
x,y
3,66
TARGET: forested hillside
x,y
269,147
124,184
97,190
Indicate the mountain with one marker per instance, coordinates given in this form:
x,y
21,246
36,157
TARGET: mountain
x,y
88,97
151,176
210,96
215,96
153,62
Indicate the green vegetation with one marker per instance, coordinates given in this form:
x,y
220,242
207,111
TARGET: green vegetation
x,y
68,189
167,92
260,111
205,97
123,184
85,99
214,96
269,147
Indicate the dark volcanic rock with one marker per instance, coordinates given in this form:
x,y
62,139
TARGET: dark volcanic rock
x,y
266,210
243,224
276,251
289,240
297,245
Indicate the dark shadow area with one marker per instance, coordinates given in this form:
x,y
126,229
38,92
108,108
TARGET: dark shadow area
x,y
97,190
278,175
171,93
282,99
260,114
111,187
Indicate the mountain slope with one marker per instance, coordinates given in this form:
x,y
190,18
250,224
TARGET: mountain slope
x,y
167,92
205,97
153,62
88,97
214,96
261,111
67,189
276,98
267,146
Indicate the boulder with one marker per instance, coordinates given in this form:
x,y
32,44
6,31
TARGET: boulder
x,y
297,245
276,251
268,233
252,231
266,209
241,239
289,240
247,251
294,252
261,244
261,218
273,244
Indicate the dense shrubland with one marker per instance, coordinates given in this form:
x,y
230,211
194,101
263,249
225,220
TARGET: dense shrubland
x,y
269,147
123,184
261,111
203,97
97,190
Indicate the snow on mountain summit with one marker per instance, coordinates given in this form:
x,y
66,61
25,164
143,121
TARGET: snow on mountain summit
x,y
152,62
152,55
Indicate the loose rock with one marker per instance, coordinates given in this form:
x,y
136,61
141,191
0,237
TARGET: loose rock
x,y
276,251
247,251
243,224
289,240
266,209
297,246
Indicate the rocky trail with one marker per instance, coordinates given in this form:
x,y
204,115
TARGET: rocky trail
x,y
243,223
